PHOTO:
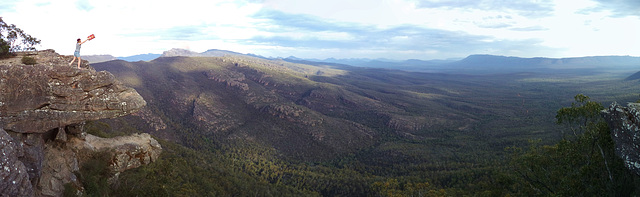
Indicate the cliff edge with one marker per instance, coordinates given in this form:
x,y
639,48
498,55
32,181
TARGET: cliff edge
x,y
43,108
625,132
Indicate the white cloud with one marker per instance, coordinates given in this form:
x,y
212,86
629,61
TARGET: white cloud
x,y
123,27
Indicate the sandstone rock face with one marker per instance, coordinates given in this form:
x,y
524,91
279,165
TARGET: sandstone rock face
x,y
43,108
38,98
128,152
13,173
31,146
625,131
59,163
62,159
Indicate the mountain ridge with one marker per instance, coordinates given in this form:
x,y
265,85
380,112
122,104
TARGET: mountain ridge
x,y
140,57
472,64
251,96
508,62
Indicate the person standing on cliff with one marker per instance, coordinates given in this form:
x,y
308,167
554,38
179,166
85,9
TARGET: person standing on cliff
x,y
76,54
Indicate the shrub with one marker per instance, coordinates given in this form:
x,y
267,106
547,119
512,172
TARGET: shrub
x,y
28,60
94,174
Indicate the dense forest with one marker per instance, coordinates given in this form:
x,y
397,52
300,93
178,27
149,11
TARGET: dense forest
x,y
240,126
581,164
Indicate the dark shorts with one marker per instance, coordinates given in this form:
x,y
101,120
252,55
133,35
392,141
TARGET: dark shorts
x,y
76,54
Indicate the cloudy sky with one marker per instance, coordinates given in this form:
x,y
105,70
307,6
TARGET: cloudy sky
x,y
394,29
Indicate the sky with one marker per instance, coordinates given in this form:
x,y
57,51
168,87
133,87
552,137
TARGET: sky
x,y
391,29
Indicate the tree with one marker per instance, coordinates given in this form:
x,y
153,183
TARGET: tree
x,y
582,114
582,164
13,39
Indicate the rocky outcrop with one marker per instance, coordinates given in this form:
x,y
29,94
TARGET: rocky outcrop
x,y
231,78
43,108
625,131
180,52
127,152
61,160
38,98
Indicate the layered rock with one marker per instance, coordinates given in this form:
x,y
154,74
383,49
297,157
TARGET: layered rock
x,y
43,108
625,131
38,98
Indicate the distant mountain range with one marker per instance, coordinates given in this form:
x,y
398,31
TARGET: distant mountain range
x,y
492,64
104,58
141,57
209,53
503,64
473,64
98,58
407,65
170,53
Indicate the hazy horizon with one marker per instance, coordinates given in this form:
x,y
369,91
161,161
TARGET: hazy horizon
x,y
366,58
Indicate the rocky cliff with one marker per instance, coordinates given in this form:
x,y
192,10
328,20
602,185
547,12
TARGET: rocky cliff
x,y
43,108
625,131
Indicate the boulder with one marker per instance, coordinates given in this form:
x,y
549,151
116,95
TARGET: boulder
x,y
127,152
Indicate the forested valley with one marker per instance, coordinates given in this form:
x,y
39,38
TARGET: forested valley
x,y
247,126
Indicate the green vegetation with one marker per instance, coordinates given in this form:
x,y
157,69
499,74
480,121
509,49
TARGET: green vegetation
x,y
256,127
13,39
182,171
28,60
4,48
93,175
582,164
570,167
